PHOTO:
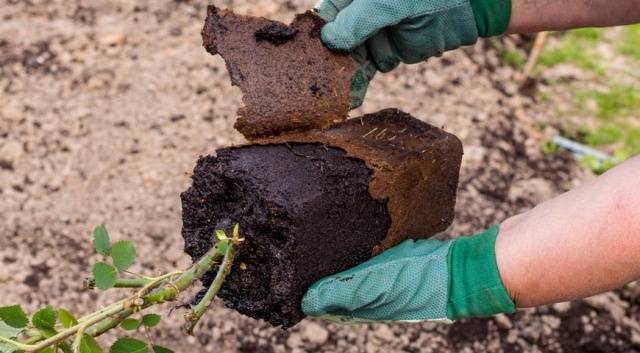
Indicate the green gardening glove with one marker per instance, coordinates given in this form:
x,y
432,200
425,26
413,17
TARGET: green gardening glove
x,y
382,33
418,280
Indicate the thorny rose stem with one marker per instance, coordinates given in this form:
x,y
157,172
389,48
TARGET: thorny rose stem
x,y
153,292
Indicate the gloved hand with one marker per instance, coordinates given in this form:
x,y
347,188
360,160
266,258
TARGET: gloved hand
x,y
418,280
382,33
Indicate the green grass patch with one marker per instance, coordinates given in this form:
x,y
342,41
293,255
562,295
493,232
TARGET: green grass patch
x,y
596,166
575,48
632,141
618,100
603,136
588,34
625,138
616,107
631,43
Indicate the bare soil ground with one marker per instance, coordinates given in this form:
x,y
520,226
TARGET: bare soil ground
x,y
106,105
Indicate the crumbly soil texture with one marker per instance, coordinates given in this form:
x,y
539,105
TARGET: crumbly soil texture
x,y
305,212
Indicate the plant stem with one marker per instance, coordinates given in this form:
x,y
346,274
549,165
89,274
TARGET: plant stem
x,y
101,311
170,291
155,290
89,283
139,275
73,330
156,283
78,341
131,283
166,293
20,346
108,324
194,317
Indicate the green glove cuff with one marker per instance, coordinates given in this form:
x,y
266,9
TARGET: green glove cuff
x,y
475,287
492,16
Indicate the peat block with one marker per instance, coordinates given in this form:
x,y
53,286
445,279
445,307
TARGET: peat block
x,y
289,79
415,165
304,210
316,203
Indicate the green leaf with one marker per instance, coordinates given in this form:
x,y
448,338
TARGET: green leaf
x,y
65,348
160,349
7,348
7,331
130,324
151,320
105,275
123,254
66,318
222,246
47,332
220,234
14,316
44,318
101,240
129,345
236,230
46,350
88,344
10,332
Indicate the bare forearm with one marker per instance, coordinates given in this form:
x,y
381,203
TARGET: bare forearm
x,y
529,16
584,242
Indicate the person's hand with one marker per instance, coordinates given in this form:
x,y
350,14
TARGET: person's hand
x,y
418,280
382,33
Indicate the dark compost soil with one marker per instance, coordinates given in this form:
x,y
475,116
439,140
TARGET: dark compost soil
x,y
305,212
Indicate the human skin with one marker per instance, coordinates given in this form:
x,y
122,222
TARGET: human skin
x,y
528,16
584,242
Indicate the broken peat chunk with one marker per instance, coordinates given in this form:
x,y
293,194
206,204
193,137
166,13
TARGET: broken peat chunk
x,y
290,81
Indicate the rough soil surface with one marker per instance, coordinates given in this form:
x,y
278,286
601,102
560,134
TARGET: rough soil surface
x,y
105,107
289,80
305,211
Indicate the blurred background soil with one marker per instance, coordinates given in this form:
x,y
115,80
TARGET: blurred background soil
x,y
106,105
